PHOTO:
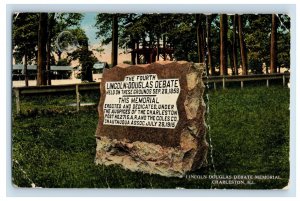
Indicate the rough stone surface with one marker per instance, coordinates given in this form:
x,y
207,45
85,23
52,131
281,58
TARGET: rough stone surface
x,y
168,152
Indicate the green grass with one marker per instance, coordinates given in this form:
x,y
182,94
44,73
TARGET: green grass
x,y
249,133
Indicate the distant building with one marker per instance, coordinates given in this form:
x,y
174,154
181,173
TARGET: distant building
x,y
99,66
57,72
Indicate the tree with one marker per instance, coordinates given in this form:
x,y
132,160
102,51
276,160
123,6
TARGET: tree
x,y
234,45
257,30
42,40
24,39
242,47
83,54
114,51
58,22
110,26
273,50
51,22
223,44
144,27
87,61
209,52
283,41
181,33
199,38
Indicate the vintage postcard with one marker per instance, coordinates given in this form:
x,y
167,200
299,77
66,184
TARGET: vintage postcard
x,y
160,100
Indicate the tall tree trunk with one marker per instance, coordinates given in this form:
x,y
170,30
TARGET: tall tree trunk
x,y
230,56
171,55
25,67
209,56
59,55
204,46
48,68
223,44
157,48
203,42
273,61
133,53
242,47
198,37
114,51
138,61
234,46
133,58
42,41
164,48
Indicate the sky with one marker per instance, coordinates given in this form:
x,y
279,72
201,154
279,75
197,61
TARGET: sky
x,y
87,24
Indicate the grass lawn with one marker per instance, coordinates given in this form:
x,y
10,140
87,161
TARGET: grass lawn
x,y
249,132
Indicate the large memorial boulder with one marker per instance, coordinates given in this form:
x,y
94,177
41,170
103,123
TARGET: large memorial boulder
x,y
152,118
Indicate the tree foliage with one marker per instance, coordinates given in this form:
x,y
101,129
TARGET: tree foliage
x,y
24,35
83,54
247,45
62,22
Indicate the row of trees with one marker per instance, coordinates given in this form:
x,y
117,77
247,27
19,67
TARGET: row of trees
x,y
223,41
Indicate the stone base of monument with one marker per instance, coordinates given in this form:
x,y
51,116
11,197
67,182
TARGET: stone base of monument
x,y
168,149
